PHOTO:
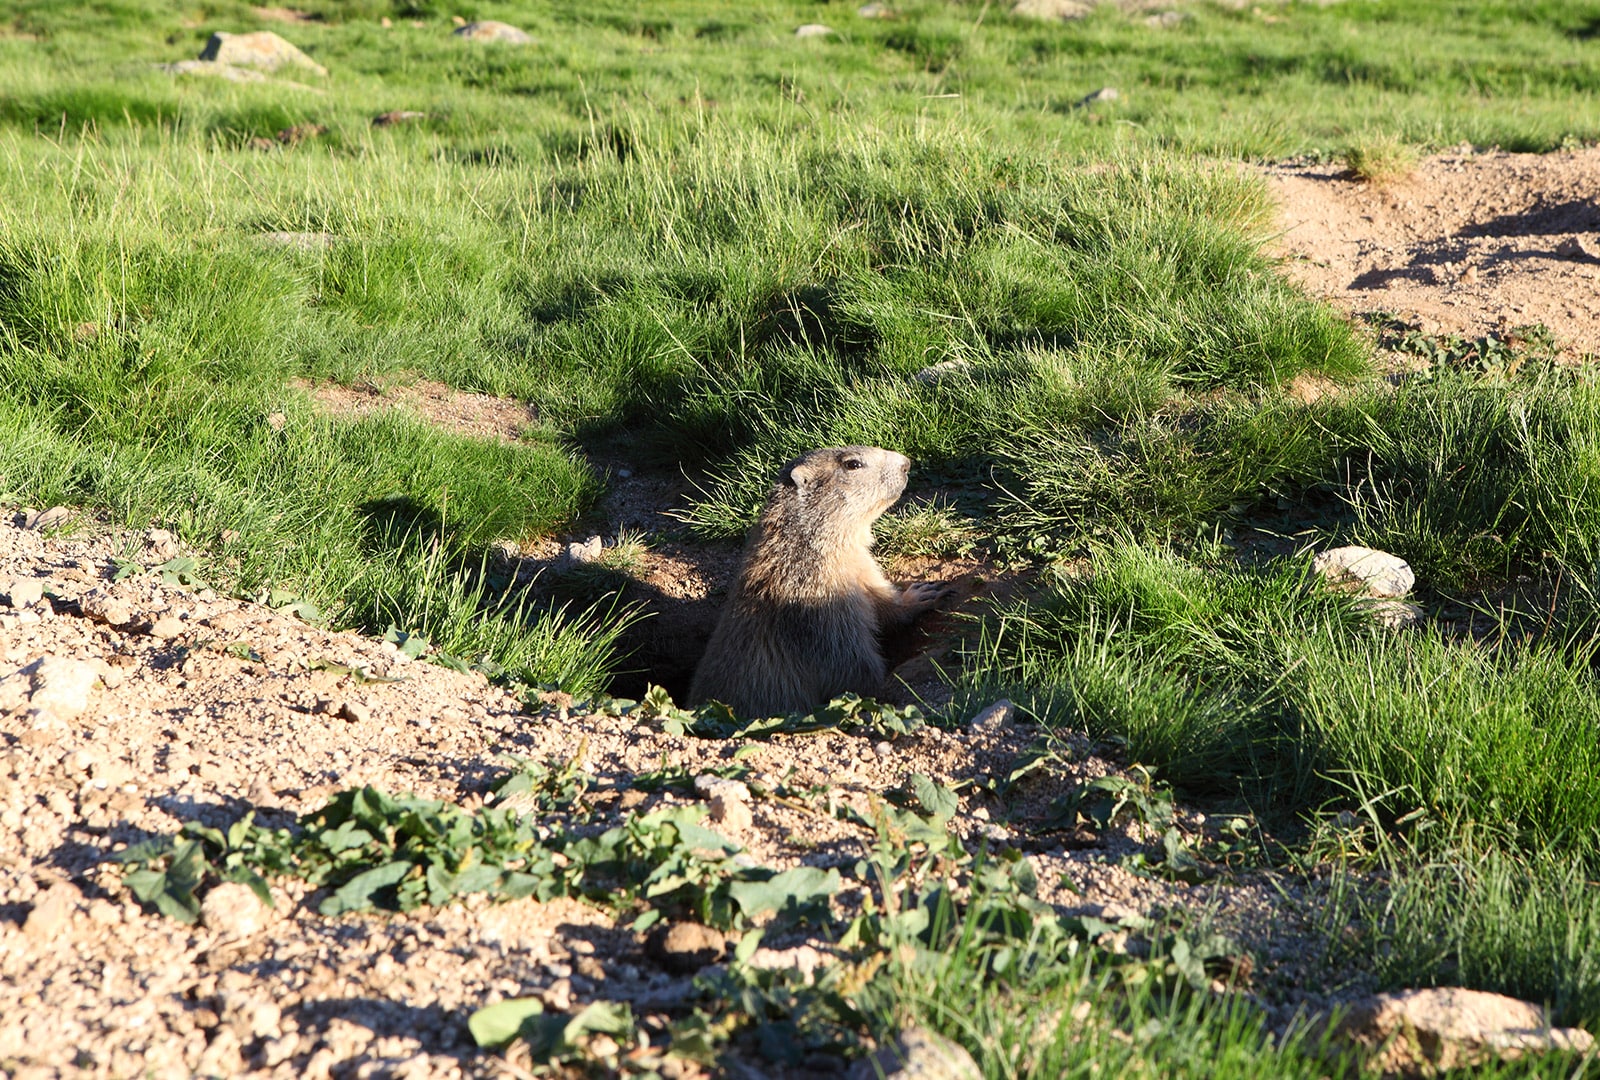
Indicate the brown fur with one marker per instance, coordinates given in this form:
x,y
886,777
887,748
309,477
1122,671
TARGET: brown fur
x,y
804,618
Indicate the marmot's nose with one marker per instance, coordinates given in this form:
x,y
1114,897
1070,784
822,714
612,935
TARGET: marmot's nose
x,y
905,465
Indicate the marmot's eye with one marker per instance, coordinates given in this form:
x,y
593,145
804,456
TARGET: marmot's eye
x,y
854,463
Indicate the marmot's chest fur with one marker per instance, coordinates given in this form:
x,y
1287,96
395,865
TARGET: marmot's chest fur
x,y
803,619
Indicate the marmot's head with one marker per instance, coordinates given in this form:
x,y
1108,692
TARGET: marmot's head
x,y
841,488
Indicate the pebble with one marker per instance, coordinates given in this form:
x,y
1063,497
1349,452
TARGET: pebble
x,y
51,912
813,30
918,1054
232,910
491,30
25,592
355,712
734,814
167,627
685,947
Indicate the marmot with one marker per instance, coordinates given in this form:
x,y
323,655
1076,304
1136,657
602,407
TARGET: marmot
x,y
804,618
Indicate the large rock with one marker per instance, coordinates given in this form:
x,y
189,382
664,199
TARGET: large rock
x,y
262,49
1366,570
490,30
1423,1032
1057,10
918,1054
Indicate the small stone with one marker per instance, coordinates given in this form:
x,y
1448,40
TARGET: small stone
x,y
232,910
805,959
1165,20
994,715
882,748
1376,573
586,552
51,911
918,1054
262,49
733,814
710,786
397,116
875,11
934,373
162,544
1104,94
386,22
685,947
1577,247
61,687
103,607
53,518
355,712
490,30
1058,10
276,1051
25,592
167,627
810,30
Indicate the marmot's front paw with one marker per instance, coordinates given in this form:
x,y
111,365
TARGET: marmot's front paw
x,y
922,595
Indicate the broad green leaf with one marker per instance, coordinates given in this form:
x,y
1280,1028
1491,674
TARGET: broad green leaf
x,y
356,894
935,798
791,890
494,1026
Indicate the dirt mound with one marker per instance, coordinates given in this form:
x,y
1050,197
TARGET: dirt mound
x,y
1470,244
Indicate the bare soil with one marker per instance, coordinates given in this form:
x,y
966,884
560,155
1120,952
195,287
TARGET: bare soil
x,y
1470,244
182,722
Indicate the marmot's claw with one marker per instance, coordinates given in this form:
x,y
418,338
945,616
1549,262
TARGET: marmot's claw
x,y
924,593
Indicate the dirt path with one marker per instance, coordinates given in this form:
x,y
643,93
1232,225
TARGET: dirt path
x,y
1471,244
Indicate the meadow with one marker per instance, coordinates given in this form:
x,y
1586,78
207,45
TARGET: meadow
x,y
689,240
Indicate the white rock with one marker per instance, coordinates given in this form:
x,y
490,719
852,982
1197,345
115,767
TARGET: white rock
x,y
918,1054
944,368
805,959
61,687
25,592
490,30
588,551
875,11
233,910
1060,10
709,786
53,518
995,715
1376,573
1434,1030
261,49
51,911
813,30
1105,93
732,814
167,627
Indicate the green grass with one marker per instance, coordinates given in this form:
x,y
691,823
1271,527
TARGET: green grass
x,y
1247,682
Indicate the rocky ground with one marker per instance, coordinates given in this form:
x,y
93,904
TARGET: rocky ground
x,y
131,702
